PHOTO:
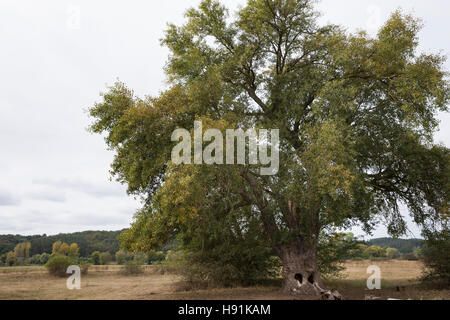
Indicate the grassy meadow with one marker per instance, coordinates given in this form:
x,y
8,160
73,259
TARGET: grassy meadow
x,y
106,282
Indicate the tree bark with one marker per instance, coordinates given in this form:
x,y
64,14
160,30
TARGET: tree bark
x,y
300,269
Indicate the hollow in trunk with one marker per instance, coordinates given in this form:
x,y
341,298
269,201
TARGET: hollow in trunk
x,y
300,269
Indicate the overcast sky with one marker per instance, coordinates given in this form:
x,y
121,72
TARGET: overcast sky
x,y
56,57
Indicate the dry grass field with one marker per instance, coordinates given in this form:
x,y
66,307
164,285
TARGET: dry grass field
x,y
105,282
395,275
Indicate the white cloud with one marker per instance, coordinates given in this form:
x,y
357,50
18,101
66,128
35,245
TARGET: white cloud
x,y
43,195
8,199
95,189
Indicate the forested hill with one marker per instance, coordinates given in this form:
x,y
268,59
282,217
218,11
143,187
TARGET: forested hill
x,y
402,245
88,242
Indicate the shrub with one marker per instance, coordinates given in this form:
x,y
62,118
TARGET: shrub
x,y
131,268
74,250
3,259
418,252
36,259
95,257
222,267
333,249
57,265
105,258
436,256
140,258
123,256
84,267
156,257
10,259
358,251
20,261
392,253
374,252
44,258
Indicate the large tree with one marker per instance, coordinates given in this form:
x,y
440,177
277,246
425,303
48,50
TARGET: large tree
x,y
356,116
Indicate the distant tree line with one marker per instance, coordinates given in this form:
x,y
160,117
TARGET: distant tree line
x,y
88,242
91,244
374,252
349,247
23,254
404,246
388,248
333,250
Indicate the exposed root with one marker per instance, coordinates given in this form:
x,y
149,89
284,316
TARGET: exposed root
x,y
331,295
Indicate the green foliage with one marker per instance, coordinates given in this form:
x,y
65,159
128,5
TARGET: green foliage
x,y
105,258
22,251
392,253
221,257
436,256
210,269
88,242
57,265
44,258
95,257
131,268
418,252
123,256
394,249
10,259
156,257
374,252
35,259
333,250
63,248
74,250
403,245
84,267
358,251
140,258
356,116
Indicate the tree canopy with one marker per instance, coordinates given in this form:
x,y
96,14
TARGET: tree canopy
x,y
356,116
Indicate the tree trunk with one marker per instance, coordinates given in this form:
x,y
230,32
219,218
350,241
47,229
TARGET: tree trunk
x,y
300,269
